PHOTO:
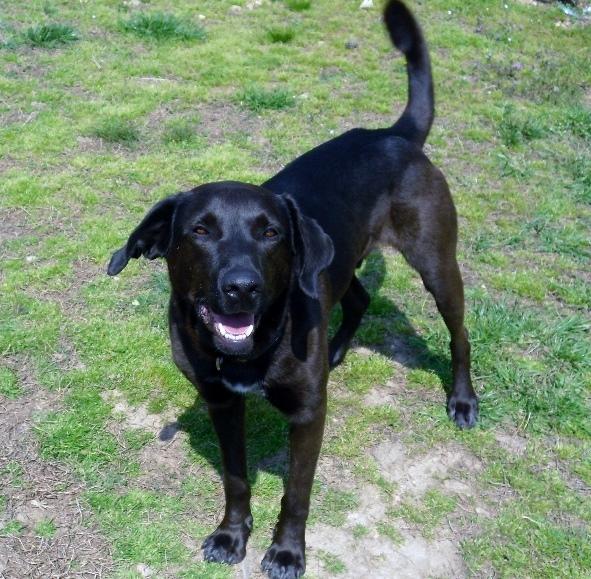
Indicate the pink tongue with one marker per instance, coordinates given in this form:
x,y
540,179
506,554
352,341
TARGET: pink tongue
x,y
236,323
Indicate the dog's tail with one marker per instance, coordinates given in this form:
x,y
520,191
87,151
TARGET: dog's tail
x,y
415,122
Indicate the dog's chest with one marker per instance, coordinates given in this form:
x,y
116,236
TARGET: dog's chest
x,y
241,378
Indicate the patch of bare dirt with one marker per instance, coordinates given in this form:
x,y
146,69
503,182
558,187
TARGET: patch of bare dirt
x,y
37,491
134,416
513,443
220,121
374,555
15,224
448,468
445,467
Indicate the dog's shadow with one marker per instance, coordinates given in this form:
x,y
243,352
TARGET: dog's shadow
x,y
267,429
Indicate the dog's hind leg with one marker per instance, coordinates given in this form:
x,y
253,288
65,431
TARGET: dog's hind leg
x,y
354,303
426,232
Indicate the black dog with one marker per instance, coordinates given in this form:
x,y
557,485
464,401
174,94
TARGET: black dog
x,y
255,272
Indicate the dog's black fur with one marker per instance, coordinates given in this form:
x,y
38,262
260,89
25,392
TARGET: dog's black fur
x,y
255,272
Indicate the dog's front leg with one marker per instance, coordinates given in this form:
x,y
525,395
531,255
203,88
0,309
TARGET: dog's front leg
x,y
227,544
285,558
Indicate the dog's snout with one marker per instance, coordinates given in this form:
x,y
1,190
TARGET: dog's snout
x,y
241,283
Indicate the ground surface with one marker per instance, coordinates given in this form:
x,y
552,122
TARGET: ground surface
x,y
108,466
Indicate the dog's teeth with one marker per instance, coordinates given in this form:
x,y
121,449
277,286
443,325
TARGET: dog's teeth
x,y
221,330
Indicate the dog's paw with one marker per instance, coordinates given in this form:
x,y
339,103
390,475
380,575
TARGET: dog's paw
x,y
282,563
463,410
227,544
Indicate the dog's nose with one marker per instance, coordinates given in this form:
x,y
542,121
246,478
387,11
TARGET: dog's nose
x,y
241,283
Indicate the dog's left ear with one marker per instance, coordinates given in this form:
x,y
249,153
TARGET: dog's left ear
x,y
151,238
313,248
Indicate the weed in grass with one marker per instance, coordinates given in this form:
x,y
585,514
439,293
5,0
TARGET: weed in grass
x,y
281,35
515,129
11,529
331,562
581,172
137,438
333,506
79,434
427,515
360,531
49,10
564,238
258,99
145,526
117,130
163,26
423,379
514,166
50,35
45,529
530,531
9,386
361,373
390,531
179,131
13,473
361,430
578,122
298,5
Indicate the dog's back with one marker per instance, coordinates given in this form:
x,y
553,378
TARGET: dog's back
x,y
340,182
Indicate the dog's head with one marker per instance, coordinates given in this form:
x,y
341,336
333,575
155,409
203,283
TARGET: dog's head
x,y
233,251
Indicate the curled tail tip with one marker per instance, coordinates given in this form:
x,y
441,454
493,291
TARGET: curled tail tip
x,y
402,26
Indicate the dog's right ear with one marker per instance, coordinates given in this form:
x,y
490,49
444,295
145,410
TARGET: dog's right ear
x,y
151,238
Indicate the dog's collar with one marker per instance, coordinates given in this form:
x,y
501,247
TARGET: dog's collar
x,y
220,360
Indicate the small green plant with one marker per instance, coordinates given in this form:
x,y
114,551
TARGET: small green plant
x,y
298,5
258,99
578,122
9,386
163,26
50,35
11,529
332,563
45,529
581,186
281,35
514,129
360,531
390,531
117,130
179,131
427,515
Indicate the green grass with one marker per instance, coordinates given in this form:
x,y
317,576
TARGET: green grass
x,y
50,35
332,563
163,26
179,131
281,35
141,106
116,130
427,515
258,99
11,528
298,5
9,385
45,529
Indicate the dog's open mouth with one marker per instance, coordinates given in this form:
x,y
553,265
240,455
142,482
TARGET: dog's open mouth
x,y
232,327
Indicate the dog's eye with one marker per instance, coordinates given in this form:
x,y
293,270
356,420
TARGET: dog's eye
x,y
270,233
200,230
